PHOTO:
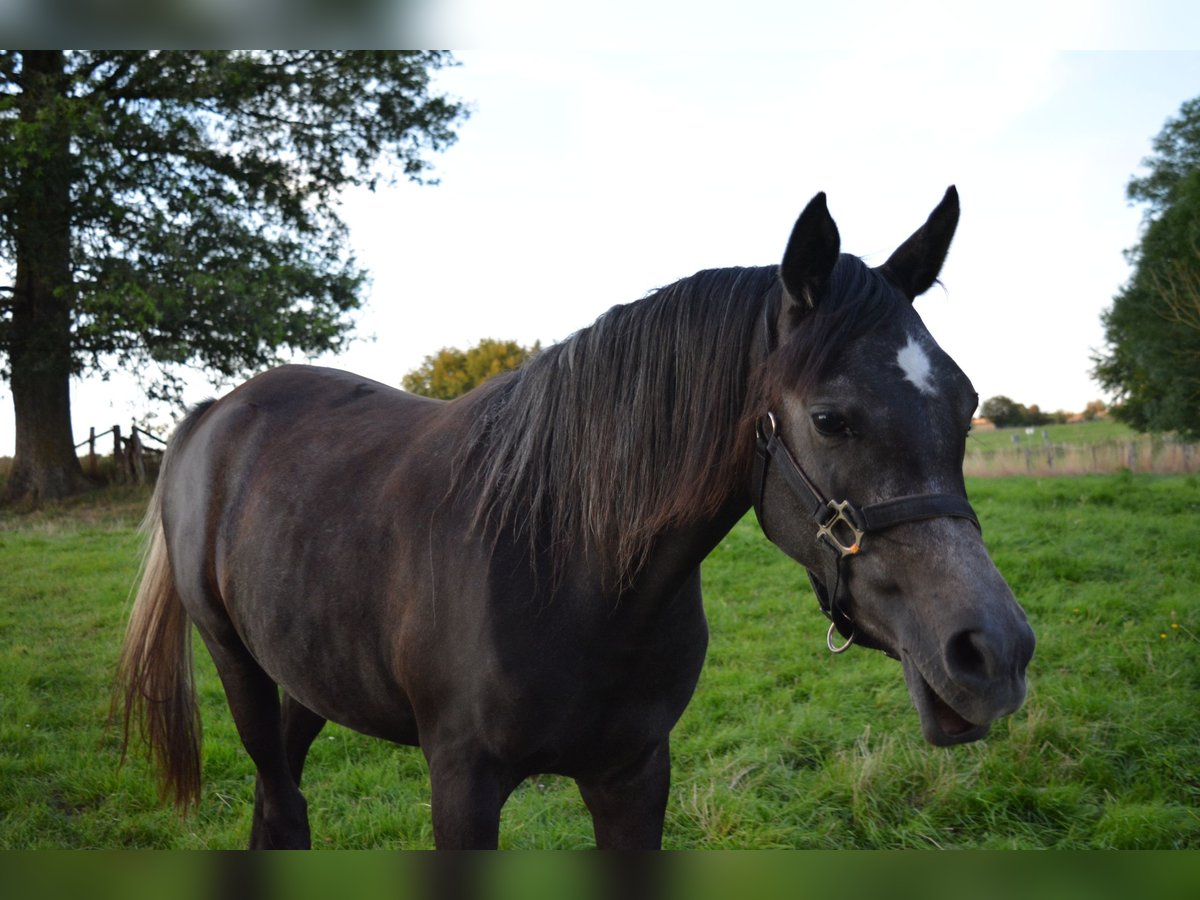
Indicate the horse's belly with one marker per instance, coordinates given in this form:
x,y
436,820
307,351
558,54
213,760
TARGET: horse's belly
x,y
393,721
338,668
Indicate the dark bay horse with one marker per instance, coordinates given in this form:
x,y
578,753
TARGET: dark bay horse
x,y
511,580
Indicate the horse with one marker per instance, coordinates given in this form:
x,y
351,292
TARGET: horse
x,y
511,580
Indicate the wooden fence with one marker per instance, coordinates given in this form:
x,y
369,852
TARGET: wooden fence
x,y
1164,455
129,453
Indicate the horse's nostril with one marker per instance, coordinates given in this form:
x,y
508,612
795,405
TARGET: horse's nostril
x,y
966,654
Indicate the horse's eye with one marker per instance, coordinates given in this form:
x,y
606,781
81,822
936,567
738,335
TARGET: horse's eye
x,y
830,423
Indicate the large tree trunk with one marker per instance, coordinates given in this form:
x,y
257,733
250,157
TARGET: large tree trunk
x,y
45,465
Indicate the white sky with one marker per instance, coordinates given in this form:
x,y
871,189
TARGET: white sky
x,y
585,178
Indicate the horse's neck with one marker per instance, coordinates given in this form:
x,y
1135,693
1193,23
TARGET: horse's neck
x,y
676,554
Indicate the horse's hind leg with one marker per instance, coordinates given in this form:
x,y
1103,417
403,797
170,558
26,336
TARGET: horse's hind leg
x,y
300,728
280,812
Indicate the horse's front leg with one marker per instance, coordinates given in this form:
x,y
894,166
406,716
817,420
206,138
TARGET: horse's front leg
x,y
628,806
467,794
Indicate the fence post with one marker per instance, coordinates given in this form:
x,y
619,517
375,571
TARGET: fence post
x,y
137,465
118,455
92,451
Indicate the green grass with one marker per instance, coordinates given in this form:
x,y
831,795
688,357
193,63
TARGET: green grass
x,y
1097,431
783,745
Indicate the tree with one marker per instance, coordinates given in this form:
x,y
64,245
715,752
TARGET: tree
x,y
1177,156
163,209
451,372
1003,412
1152,329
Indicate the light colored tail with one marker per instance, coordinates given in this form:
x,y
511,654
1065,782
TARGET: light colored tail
x,y
154,678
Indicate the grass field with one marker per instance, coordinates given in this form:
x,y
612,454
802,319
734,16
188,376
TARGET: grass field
x,y
1097,431
783,745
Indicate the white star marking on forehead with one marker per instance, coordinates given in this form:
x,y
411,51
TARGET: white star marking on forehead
x,y
914,363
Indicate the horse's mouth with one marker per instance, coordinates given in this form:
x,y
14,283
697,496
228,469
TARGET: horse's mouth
x,y
941,724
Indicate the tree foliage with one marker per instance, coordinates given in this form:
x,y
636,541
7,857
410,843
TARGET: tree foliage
x,y
178,208
1176,157
204,223
1002,411
1005,412
451,372
1152,362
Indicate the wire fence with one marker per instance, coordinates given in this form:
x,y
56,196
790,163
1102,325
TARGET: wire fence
x,y
1147,453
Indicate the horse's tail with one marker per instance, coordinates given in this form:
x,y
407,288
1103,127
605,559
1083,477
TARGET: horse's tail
x,y
154,677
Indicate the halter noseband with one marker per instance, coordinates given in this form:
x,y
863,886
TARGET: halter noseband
x,y
841,524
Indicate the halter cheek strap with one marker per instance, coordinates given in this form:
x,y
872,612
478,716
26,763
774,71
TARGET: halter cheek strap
x,y
842,525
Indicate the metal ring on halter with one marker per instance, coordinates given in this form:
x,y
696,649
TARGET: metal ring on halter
x,y
829,640
762,433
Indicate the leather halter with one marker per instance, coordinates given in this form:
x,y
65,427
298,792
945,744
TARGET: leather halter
x,y
842,525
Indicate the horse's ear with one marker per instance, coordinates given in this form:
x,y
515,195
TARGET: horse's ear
x,y
914,267
811,253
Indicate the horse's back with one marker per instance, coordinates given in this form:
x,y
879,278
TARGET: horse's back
x,y
306,438
328,405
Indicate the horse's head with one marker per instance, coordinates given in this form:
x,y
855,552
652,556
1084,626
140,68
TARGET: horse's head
x,y
861,405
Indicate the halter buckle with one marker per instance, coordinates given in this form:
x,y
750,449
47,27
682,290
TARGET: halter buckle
x,y
825,531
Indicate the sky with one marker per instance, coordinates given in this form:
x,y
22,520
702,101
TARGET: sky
x,y
587,177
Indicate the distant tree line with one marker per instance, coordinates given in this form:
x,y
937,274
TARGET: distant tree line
x,y
1005,413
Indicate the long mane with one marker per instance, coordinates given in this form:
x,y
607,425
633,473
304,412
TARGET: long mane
x,y
627,428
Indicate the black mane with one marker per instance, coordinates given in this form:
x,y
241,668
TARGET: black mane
x,y
629,426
